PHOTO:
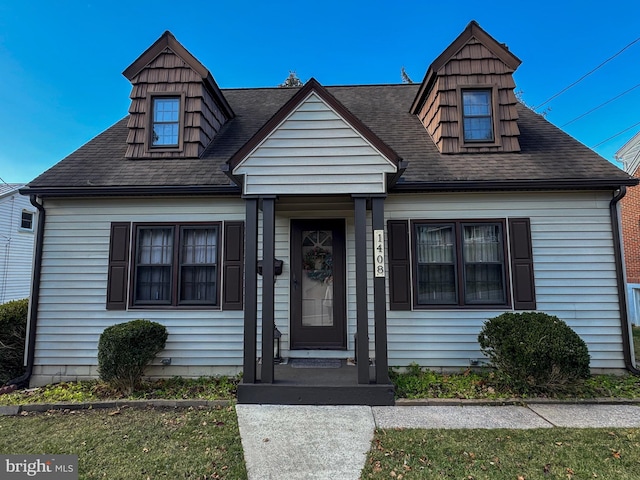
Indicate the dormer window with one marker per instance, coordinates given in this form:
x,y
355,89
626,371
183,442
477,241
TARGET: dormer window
x,y
477,115
165,121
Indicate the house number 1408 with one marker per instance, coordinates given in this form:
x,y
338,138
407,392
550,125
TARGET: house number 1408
x,y
378,252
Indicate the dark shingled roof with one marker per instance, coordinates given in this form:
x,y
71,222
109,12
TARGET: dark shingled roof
x,y
548,155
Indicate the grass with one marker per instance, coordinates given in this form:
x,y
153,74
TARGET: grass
x,y
204,444
130,443
505,454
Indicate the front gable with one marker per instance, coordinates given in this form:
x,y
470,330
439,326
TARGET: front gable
x,y
314,145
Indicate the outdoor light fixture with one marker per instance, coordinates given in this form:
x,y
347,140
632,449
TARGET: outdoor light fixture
x,y
277,334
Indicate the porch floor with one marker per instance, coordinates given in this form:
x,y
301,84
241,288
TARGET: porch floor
x,y
316,386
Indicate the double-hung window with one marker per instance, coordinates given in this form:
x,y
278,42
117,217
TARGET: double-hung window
x,y
165,125
176,265
477,118
459,263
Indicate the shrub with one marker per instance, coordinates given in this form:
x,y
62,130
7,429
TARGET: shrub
x,y
534,351
125,349
13,328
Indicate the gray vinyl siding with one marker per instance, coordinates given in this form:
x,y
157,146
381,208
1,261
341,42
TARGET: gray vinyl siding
x,y
574,267
72,312
16,248
314,151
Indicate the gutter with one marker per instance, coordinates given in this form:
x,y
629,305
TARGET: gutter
x,y
627,339
484,185
34,299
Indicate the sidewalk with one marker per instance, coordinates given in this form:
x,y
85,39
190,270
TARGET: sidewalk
x,y
331,442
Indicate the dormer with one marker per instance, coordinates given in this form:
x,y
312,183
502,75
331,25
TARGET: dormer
x,y
176,106
466,100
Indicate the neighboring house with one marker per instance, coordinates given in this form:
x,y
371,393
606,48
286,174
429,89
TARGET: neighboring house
x,y
404,216
629,155
17,222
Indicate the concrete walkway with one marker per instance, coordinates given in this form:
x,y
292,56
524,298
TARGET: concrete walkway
x,y
331,442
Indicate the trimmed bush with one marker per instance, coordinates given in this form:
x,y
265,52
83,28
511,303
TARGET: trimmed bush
x,y
125,349
13,329
534,351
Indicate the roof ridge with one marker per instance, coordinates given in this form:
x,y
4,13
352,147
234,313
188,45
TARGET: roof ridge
x,y
362,85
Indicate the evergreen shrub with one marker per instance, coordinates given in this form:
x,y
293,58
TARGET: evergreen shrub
x,y
534,351
125,349
13,328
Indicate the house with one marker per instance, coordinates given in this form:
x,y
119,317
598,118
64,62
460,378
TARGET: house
x,y
384,223
17,221
629,155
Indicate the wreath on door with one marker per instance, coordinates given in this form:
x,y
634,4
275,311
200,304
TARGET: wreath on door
x,y
318,264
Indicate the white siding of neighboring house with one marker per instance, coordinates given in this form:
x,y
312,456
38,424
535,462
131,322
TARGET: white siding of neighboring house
x,y
573,259
314,151
16,247
574,266
72,312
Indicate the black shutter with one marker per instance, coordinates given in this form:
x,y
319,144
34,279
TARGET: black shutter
x,y
233,266
118,266
399,265
524,290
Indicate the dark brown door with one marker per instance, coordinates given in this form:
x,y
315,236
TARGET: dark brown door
x,y
318,312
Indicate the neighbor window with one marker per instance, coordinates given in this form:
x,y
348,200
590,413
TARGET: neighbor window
x,y
477,116
176,265
460,263
27,220
166,121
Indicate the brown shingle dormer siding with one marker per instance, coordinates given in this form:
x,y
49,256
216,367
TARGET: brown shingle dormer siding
x,y
473,61
168,69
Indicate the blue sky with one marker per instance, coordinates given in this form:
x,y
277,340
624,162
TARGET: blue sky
x,y
61,61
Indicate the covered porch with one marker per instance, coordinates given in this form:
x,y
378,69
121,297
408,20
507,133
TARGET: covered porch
x,y
314,146
366,382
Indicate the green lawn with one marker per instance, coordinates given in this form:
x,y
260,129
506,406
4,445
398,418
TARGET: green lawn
x,y
134,444
556,453
204,444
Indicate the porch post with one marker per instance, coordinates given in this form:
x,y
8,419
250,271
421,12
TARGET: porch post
x,y
268,287
380,301
250,290
362,314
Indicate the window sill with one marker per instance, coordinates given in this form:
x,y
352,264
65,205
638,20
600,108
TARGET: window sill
x,y
175,307
448,307
479,144
171,148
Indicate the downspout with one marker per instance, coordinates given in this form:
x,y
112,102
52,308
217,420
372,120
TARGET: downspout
x,y
622,292
34,300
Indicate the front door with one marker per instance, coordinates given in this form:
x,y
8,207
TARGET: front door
x,y
318,312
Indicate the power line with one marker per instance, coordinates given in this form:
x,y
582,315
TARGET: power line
x,y
599,106
586,75
617,134
2,180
